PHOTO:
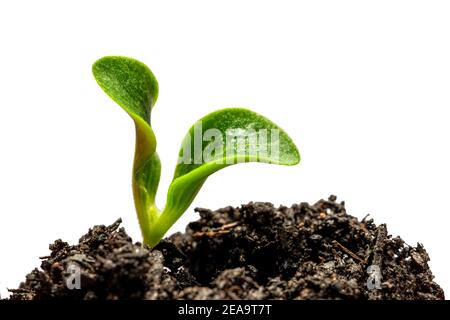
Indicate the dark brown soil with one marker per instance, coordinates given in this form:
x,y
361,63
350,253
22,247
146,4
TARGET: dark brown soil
x,y
252,252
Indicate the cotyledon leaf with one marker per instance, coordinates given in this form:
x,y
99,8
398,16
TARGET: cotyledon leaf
x,y
218,140
132,85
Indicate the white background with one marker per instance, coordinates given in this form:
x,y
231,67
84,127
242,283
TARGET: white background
x,y
361,86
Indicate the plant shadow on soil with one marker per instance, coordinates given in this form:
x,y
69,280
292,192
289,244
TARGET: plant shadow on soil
x,y
256,251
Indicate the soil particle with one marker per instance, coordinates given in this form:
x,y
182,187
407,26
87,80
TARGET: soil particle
x,y
256,251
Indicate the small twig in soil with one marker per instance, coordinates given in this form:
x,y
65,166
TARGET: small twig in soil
x,y
19,290
226,228
347,251
115,225
377,258
379,245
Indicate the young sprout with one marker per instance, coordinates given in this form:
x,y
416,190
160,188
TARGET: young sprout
x,y
220,139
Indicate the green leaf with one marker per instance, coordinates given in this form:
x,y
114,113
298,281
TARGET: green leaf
x,y
245,137
128,82
132,85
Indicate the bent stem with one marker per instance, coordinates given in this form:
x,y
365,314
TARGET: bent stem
x,y
154,223
157,228
160,221
150,228
146,175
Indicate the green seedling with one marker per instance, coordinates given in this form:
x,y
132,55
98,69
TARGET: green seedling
x,y
220,139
